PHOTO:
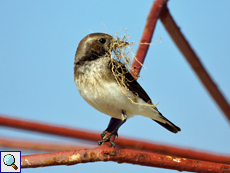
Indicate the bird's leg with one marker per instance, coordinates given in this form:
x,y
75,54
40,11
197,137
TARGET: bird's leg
x,y
114,122
113,127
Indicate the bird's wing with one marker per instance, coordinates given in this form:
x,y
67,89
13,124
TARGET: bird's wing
x,y
121,71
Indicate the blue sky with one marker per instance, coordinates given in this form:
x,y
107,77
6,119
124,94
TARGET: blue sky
x,y
38,41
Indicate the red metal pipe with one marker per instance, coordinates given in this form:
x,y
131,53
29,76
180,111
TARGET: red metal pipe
x,y
50,129
120,142
147,36
173,151
121,156
38,145
194,61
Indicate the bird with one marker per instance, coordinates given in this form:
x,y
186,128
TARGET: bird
x,y
98,84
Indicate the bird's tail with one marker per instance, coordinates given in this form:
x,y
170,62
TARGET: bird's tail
x,y
167,124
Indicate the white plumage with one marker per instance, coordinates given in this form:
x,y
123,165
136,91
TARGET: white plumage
x,y
102,92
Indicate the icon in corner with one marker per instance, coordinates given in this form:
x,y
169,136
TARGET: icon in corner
x,y
10,161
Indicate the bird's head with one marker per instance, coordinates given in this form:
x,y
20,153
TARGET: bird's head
x,y
97,45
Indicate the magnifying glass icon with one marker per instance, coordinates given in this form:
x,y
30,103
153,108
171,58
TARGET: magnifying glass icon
x,y
9,160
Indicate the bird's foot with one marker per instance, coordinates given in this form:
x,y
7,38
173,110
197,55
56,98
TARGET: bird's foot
x,y
107,139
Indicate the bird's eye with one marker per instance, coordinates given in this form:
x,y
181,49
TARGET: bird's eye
x,y
102,40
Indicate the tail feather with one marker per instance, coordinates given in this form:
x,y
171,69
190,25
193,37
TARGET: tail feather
x,y
168,124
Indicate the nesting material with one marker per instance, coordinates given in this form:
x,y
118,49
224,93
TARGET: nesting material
x,y
121,61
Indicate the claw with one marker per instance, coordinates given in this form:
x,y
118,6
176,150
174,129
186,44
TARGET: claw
x,y
113,144
103,134
100,142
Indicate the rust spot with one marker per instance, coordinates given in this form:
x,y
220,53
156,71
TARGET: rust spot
x,y
85,155
169,157
177,160
92,156
224,168
106,154
110,153
75,157
113,153
52,161
142,156
27,161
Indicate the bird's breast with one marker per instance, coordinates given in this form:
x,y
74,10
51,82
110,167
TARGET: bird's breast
x,y
97,85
